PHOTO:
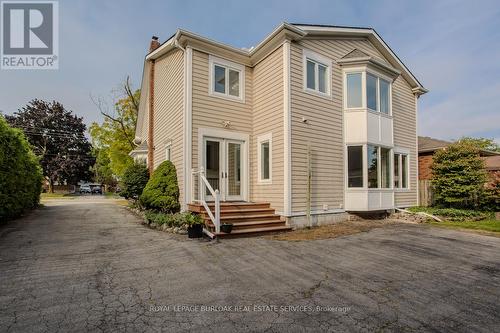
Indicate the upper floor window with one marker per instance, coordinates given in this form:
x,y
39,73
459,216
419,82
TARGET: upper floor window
x,y
377,92
226,78
316,73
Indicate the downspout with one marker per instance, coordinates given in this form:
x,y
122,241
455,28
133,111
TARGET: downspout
x,y
153,46
151,117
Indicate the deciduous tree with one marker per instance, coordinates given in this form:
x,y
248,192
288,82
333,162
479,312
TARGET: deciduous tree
x,y
58,140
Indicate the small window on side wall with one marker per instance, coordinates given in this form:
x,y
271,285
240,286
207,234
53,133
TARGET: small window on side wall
x,y
226,78
264,158
316,73
401,171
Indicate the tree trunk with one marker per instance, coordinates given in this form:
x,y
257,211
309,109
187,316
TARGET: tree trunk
x,y
51,186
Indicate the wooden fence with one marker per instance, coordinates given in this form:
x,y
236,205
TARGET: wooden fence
x,y
425,195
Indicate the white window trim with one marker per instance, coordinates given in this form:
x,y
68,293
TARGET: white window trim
x,y
212,61
364,101
168,151
318,59
260,140
401,152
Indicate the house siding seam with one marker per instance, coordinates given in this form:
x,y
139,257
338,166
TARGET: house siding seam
x,y
169,109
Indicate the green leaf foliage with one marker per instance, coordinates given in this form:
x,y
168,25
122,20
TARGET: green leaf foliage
x,y
162,191
134,180
458,176
173,220
20,173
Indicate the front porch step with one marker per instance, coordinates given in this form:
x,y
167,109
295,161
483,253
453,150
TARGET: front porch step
x,y
247,218
253,224
253,231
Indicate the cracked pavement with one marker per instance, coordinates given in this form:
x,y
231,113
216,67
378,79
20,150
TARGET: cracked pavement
x,y
88,265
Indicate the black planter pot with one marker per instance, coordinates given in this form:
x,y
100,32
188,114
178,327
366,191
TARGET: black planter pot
x,y
195,231
226,227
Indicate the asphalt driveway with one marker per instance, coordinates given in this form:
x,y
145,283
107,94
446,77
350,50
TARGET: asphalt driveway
x,y
87,265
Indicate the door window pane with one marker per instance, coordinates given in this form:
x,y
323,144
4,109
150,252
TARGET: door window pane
x,y
396,170
355,166
371,91
372,166
212,165
220,79
311,82
322,78
265,171
404,171
234,168
354,90
234,83
385,164
384,96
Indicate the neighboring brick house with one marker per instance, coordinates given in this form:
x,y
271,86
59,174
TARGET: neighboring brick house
x,y
427,147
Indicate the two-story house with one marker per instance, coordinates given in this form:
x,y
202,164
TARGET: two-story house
x,y
318,119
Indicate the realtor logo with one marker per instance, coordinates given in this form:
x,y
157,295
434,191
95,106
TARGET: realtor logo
x,y
30,35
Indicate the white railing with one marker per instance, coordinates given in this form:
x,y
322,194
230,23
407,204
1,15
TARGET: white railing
x,y
202,184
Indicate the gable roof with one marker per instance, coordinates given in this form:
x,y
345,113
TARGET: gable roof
x,y
355,54
295,32
428,144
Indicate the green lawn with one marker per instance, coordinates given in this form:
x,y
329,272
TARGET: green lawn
x,y
486,225
57,196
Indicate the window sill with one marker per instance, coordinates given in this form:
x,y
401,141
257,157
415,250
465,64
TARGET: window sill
x,y
264,182
226,97
317,93
402,190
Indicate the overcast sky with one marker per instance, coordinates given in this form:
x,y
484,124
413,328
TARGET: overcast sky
x,y
453,47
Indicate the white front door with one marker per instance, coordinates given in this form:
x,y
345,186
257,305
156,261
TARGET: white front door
x,y
223,163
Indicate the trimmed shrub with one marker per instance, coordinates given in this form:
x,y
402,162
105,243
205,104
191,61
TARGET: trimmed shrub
x,y
20,173
162,191
458,176
134,180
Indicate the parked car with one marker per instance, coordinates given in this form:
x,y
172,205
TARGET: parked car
x,y
96,190
85,189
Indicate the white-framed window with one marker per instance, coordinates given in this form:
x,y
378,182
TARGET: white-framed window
x,y
317,71
372,169
366,89
265,158
227,79
401,170
168,152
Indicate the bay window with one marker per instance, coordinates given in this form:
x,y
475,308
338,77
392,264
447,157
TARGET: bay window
x,y
378,167
376,95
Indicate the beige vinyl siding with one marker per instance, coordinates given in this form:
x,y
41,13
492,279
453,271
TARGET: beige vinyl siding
x,y
210,111
323,130
405,132
168,111
268,118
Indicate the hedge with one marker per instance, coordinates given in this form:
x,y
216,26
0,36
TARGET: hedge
x,y
135,178
162,191
20,173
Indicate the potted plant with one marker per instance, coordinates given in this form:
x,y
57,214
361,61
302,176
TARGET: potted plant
x,y
195,225
226,227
